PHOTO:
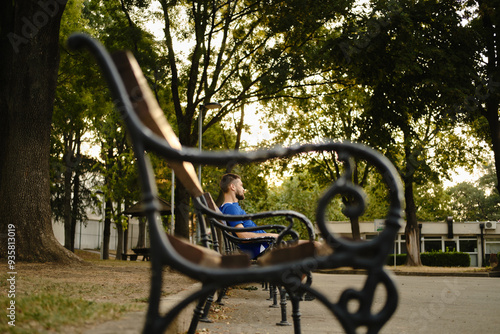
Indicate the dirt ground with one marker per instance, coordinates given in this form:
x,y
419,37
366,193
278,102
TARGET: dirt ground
x,y
114,281
107,282
55,298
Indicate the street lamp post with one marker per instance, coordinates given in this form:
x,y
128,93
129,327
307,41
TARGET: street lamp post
x,y
203,109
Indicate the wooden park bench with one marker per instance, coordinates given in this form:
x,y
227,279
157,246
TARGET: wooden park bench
x,y
132,257
144,252
281,266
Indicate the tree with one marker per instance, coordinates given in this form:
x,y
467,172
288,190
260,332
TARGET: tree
x,y
92,115
120,179
484,21
239,53
71,177
415,65
433,202
332,111
300,193
476,201
29,40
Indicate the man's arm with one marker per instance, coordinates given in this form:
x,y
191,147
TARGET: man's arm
x,y
250,235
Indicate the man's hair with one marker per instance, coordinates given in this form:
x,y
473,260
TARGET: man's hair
x,y
227,180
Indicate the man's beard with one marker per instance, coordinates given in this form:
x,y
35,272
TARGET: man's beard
x,y
240,197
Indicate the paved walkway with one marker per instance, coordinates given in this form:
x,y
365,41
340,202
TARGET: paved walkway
x,y
452,303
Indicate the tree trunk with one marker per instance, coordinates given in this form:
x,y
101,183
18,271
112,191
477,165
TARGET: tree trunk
x,y
107,229
411,231
68,223
29,60
494,126
182,211
119,230
76,189
119,246
125,238
74,211
356,235
141,240
492,38
491,114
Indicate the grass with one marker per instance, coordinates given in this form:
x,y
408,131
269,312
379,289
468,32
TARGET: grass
x,y
49,311
51,298
43,306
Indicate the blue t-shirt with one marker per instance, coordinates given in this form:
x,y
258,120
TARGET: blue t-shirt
x,y
254,249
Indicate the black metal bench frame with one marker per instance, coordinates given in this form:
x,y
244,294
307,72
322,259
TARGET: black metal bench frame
x,y
370,255
142,251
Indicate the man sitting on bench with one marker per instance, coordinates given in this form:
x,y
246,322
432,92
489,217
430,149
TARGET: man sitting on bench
x,y
233,190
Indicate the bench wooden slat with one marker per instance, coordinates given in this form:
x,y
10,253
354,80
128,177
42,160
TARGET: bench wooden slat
x,y
207,257
149,112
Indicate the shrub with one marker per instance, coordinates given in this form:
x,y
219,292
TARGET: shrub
x,y
400,259
445,259
435,259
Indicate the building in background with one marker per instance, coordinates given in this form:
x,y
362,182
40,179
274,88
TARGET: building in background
x,y
478,239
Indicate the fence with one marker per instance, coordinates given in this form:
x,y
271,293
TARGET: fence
x,y
89,235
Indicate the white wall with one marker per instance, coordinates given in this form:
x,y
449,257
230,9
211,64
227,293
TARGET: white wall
x,y
92,232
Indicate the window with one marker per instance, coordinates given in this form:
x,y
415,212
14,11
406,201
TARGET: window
x,y
400,244
492,245
450,245
468,245
403,247
432,244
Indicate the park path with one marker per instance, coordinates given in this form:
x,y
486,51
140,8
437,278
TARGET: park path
x,y
453,303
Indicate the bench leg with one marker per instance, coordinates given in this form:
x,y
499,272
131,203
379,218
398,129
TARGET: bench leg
x,y
220,295
295,314
201,312
198,311
154,297
206,310
307,296
283,321
270,292
274,296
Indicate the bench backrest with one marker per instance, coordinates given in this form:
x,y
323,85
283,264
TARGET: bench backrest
x,y
224,246
152,116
